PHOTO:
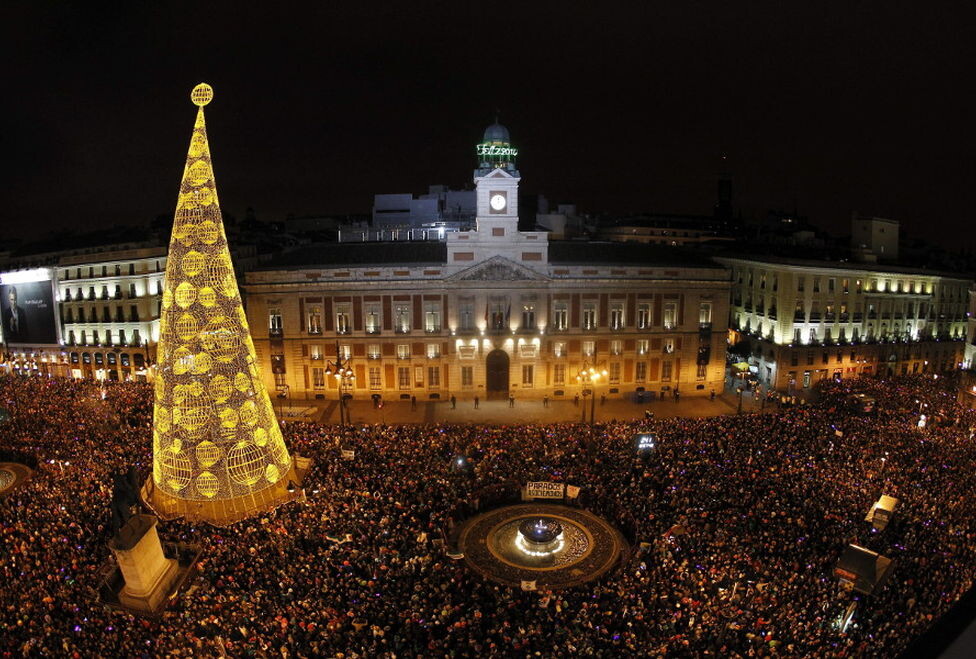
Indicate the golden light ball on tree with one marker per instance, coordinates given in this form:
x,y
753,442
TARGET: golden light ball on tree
x,y
201,94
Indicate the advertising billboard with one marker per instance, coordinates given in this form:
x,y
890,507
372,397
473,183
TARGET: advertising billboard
x,y
27,309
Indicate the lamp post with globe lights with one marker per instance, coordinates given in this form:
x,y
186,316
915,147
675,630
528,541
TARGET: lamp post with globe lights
x,y
589,375
342,370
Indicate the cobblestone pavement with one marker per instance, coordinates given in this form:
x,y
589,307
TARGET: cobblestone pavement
x,y
524,411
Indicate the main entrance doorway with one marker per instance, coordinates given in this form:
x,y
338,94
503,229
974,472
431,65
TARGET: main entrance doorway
x,y
496,377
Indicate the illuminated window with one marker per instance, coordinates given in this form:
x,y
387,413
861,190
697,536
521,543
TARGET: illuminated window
x,y
433,377
560,316
315,352
705,313
528,373
401,318
665,371
617,315
274,321
589,347
670,315
614,372
668,346
559,349
433,350
466,315
559,374
432,317
589,315
315,319
318,377
373,318
643,346
343,322
702,371
373,351
640,371
497,315
374,378
403,351
528,317
345,351
616,347
403,377
467,376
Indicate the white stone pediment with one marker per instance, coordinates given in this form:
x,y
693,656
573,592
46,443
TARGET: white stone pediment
x,y
499,173
498,268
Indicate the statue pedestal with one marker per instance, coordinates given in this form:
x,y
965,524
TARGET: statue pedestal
x,y
149,576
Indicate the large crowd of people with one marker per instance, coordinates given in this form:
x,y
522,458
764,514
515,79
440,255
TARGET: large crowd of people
x,y
738,523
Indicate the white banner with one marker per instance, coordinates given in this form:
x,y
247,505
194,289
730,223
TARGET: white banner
x,y
544,490
528,585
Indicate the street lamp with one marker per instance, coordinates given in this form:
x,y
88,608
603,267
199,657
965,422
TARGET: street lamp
x,y
590,375
283,391
344,376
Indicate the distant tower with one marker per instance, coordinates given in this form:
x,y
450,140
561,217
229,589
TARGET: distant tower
x,y
723,206
218,453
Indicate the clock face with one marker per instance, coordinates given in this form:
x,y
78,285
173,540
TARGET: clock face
x,y
497,201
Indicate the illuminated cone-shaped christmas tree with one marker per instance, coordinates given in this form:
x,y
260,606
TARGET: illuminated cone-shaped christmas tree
x,y
218,454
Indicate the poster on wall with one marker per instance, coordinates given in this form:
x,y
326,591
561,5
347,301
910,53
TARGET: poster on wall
x,y
27,308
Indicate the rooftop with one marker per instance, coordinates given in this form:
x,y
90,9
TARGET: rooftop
x,y
566,252
845,264
331,255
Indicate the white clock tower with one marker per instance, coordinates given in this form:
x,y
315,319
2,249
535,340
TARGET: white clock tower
x,y
496,181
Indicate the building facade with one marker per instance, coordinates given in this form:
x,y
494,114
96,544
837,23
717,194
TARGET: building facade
x,y
810,320
109,308
491,312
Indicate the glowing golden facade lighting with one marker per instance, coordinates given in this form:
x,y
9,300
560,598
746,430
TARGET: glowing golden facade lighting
x,y
218,453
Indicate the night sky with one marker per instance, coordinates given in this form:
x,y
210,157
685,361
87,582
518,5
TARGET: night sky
x,y
822,107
